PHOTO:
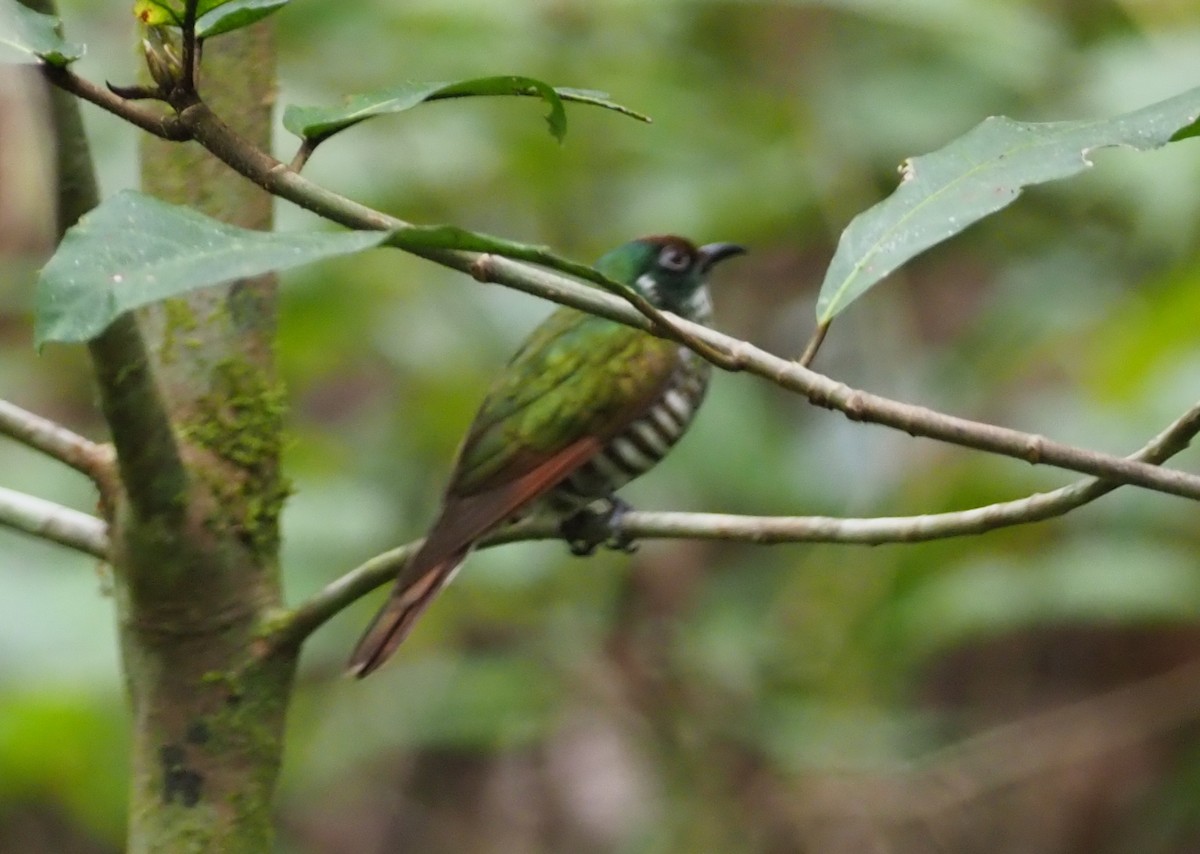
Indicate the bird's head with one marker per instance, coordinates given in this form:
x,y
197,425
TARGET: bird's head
x,y
670,272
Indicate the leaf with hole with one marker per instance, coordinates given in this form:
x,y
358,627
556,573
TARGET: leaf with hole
x,y
978,174
34,36
133,250
319,123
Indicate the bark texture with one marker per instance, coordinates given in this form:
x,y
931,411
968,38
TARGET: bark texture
x,y
196,410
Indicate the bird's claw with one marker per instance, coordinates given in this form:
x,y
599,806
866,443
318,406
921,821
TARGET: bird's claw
x,y
580,547
588,529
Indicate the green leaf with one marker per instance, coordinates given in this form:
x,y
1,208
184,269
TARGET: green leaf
x,y
978,174
459,239
133,250
418,237
203,7
318,123
156,13
35,35
1187,132
213,17
234,15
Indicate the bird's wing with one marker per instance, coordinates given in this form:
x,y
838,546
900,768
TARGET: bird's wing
x,y
574,385
577,377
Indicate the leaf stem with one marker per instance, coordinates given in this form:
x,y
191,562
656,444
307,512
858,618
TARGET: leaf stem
x,y
307,146
814,344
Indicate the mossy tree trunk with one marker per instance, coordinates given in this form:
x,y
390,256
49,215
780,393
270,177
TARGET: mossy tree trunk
x,y
190,393
199,577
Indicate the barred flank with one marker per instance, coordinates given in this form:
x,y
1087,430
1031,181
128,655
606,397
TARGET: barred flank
x,y
641,445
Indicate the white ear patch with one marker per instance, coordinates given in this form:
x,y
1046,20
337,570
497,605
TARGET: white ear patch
x,y
699,305
648,287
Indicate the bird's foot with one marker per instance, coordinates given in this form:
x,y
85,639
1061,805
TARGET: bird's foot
x,y
590,528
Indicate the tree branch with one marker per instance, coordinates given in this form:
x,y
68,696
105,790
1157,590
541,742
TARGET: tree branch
x,y
55,441
756,529
269,173
855,404
205,127
49,521
226,144
153,121
151,469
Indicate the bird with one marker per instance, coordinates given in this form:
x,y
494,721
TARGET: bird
x,y
584,406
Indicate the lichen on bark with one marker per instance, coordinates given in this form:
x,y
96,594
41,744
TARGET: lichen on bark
x,y
240,421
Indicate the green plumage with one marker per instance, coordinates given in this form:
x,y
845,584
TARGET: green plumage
x,y
577,375
585,405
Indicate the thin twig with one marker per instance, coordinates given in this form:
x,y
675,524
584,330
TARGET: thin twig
x,y
54,440
225,143
269,173
860,405
200,123
205,127
153,121
49,521
758,529
148,457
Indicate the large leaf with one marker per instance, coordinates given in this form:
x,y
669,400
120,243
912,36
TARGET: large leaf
x,y
944,192
203,7
133,250
1187,132
35,35
159,12
234,15
213,17
317,123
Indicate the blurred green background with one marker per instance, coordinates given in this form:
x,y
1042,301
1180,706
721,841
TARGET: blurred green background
x,y
698,696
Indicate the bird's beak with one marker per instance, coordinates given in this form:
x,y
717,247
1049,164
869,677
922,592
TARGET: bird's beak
x,y
714,252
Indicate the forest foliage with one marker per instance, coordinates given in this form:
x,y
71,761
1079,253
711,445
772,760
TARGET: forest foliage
x,y
694,671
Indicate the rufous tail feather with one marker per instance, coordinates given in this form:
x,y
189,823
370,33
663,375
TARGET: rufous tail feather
x,y
398,615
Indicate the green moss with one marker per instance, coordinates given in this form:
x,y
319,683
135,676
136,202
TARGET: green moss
x,y
241,421
229,681
246,730
183,830
272,622
179,318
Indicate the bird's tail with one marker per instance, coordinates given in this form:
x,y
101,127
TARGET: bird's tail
x,y
396,618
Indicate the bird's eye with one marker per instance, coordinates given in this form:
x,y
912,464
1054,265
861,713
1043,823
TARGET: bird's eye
x,y
674,259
